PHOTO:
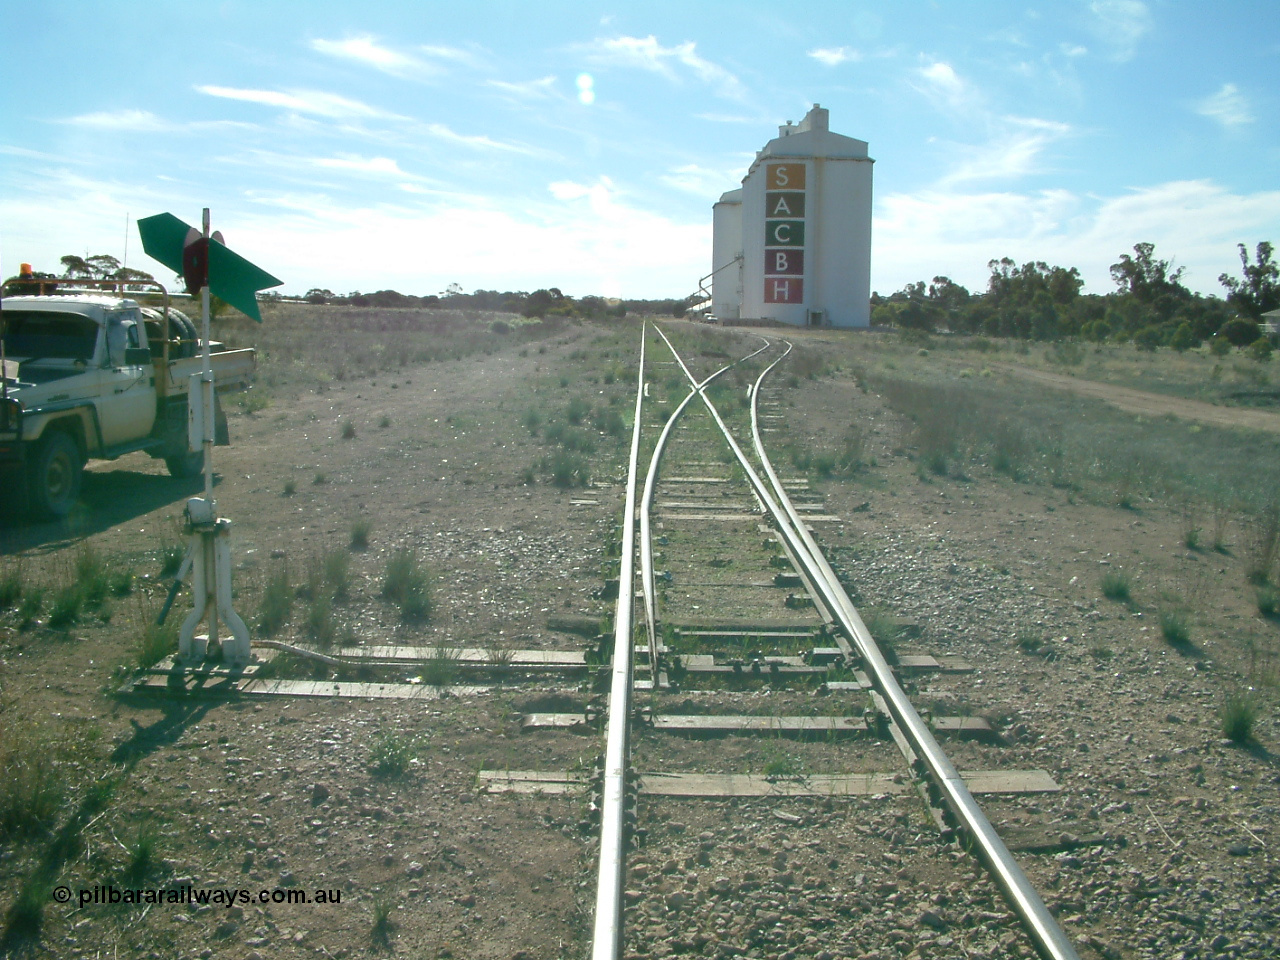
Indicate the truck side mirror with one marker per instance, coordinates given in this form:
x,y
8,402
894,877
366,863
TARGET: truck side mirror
x,y
137,356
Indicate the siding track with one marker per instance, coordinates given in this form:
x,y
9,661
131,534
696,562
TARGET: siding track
x,y
769,652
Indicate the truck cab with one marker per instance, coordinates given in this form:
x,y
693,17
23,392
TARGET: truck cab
x,y
91,375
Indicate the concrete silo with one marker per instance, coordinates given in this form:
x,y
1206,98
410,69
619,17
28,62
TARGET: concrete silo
x,y
794,243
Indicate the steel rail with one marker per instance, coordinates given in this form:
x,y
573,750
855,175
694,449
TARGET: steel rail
x,y
646,503
1022,897
1046,935
607,938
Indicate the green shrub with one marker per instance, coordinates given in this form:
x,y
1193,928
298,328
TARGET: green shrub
x,y
1115,586
320,625
392,754
254,401
577,411
853,448
1268,600
417,605
31,606
1031,643
92,577
26,917
336,565
885,629
348,431
68,604
406,584
277,602
11,585
143,854
290,488
32,785
441,668
156,641
1175,627
360,530
1237,715
577,441
383,925
171,557
567,469
610,422
120,581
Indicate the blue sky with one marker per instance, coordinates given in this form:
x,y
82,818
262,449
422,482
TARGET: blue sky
x,y
519,145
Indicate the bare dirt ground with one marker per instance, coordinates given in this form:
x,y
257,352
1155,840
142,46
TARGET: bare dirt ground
x,y
1163,842
1151,404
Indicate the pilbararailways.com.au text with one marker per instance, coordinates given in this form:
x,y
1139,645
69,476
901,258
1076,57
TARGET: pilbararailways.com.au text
x,y
190,895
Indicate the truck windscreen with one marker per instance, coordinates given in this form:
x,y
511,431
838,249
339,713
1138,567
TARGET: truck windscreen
x,y
44,334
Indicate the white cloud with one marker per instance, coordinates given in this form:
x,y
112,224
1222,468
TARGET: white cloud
x,y
945,87
589,239
374,166
702,182
478,141
1014,151
447,53
301,101
1228,107
1120,24
370,52
1073,50
646,53
28,154
133,121
586,239
834,56
539,89
1196,222
365,50
141,121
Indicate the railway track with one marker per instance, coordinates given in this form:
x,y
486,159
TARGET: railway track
x,y
739,670
772,618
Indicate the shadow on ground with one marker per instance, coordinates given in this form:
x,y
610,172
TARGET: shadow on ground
x,y
107,499
23,925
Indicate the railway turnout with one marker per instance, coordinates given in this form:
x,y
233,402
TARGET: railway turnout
x,y
842,645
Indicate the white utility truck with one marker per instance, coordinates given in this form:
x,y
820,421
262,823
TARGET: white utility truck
x,y
95,374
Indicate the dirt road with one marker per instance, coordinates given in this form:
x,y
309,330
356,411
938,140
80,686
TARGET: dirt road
x,y
1150,404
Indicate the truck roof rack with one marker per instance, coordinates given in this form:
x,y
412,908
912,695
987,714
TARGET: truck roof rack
x,y
48,287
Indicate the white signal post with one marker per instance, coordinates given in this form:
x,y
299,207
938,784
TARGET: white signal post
x,y
210,535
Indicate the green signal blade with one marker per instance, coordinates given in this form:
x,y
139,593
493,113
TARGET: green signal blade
x,y
163,237
236,280
231,277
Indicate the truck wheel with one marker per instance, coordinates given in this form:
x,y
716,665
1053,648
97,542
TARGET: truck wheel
x,y
185,465
54,475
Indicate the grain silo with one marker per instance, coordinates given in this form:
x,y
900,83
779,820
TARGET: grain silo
x,y
794,243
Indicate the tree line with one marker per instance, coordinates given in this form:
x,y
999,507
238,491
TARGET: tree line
x,y
1150,307
539,303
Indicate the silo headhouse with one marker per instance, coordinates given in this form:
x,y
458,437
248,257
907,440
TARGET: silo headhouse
x,y
794,243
